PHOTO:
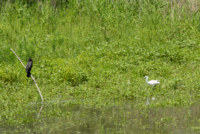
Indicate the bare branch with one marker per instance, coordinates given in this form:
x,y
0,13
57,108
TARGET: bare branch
x,y
31,75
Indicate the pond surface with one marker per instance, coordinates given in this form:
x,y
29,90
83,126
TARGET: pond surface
x,y
65,118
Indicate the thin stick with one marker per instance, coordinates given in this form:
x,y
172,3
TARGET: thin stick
x,y
31,76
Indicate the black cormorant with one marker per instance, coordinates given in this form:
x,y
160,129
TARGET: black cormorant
x,y
29,66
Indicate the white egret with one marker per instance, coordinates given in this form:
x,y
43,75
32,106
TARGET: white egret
x,y
152,83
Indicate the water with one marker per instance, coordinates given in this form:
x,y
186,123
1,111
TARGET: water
x,y
65,118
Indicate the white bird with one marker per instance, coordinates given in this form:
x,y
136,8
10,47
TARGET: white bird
x,y
151,82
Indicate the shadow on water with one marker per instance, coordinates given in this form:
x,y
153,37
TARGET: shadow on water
x,y
63,117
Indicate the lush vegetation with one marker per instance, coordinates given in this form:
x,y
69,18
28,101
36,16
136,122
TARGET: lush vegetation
x,y
99,52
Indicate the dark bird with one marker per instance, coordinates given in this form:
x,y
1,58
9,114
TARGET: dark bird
x,y
28,67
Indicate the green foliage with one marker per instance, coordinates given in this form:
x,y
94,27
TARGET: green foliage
x,y
99,50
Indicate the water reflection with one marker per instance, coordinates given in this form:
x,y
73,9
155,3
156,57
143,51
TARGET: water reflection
x,y
72,119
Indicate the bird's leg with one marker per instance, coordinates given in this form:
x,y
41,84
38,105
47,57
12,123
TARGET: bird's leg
x,y
153,88
148,95
151,93
147,101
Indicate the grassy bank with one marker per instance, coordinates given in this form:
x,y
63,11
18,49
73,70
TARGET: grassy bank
x,y
100,51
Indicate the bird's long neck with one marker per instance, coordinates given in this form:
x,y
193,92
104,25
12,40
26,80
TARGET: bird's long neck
x,y
147,79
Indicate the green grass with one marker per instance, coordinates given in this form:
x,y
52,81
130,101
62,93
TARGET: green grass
x,y
100,51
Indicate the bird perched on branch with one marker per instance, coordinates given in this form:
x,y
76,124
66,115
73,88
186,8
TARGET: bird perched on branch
x,y
28,67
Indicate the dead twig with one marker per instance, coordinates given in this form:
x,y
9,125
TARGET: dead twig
x,y
31,75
